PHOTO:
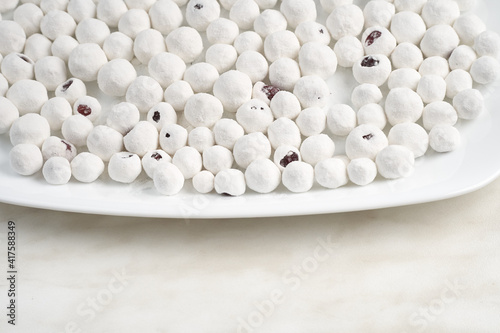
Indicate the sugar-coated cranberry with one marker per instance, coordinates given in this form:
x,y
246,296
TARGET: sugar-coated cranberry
x,y
372,37
84,110
369,61
290,157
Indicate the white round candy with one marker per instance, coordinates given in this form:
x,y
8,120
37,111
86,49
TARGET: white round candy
x,y
284,73
17,66
284,131
378,13
25,159
57,171
378,40
115,77
253,64
264,92
437,12
346,20
92,30
230,182
227,132
165,16
76,129
407,55
147,44
468,26
200,13
88,106
251,147
200,138
221,56
317,148
329,5
51,71
411,5
82,9
71,90
412,136
466,5
217,158
434,66
161,115
331,173
439,113
468,103
281,44
439,40
298,177
110,11
298,11
444,138
226,4
484,70
311,121
29,16
203,182
7,5
37,46
223,31
462,57
203,110
119,46
141,4
457,81
166,68
431,88
248,41
176,43
395,161
134,21
285,104
56,110
364,94
201,76
362,171
168,179
141,139
262,176
233,88
124,167
317,59
372,114
408,26
54,146
56,23
404,77
403,105
8,114
341,119
123,117
177,94
365,141
104,141
154,159
373,69
312,91
254,116
244,13
86,60
284,155
12,37
62,47
348,50
188,160
28,96
269,21
48,5
172,138
144,92
487,43
312,31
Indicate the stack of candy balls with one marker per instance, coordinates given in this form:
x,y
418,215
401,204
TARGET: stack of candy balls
x,y
233,94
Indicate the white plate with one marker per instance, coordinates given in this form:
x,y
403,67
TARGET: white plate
x,y
436,177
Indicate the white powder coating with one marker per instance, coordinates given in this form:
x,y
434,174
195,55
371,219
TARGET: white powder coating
x,y
379,13
217,158
262,176
251,147
412,136
439,113
7,5
62,47
165,16
244,13
444,138
37,46
57,171
431,88
298,11
317,148
365,93
284,131
4,85
362,171
8,114
312,31
340,119
269,21
348,50
153,159
25,159
183,2
176,43
372,114
233,88
365,141
71,90
254,64
189,161
227,132
439,40
51,72
407,55
468,26
484,70
222,56
166,68
134,21
141,139
411,5
124,167
201,76
161,114
395,162
177,94
222,31
12,37
408,26
437,12
469,103
312,91
200,138
119,46
86,60
329,5
104,141
203,110
254,116
110,11
404,77
115,77
403,105
88,106
168,179
28,96
82,9
378,40
54,146
200,13
331,173
203,182
284,73
172,138
28,16
141,4
76,129
487,43
92,30
248,41
281,44
434,66
466,5
311,121
457,81
373,69
266,4
123,117
317,59
48,5
462,57
147,44
345,20
298,177
230,182
144,92
284,155
17,66
57,23
56,110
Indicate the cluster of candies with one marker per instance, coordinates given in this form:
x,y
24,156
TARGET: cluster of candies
x,y
232,93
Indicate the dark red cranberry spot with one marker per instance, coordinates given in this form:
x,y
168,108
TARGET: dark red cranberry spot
x,y
290,157
25,58
198,6
156,116
156,156
321,31
68,146
66,85
369,61
270,91
262,108
84,110
372,37
167,135
368,136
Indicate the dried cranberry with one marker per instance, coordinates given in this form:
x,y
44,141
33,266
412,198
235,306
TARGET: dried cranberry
x,y
369,61
156,116
290,157
270,91
156,156
198,6
372,37
66,85
68,146
84,110
368,136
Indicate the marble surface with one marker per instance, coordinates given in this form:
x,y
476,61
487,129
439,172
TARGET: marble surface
x,y
425,268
